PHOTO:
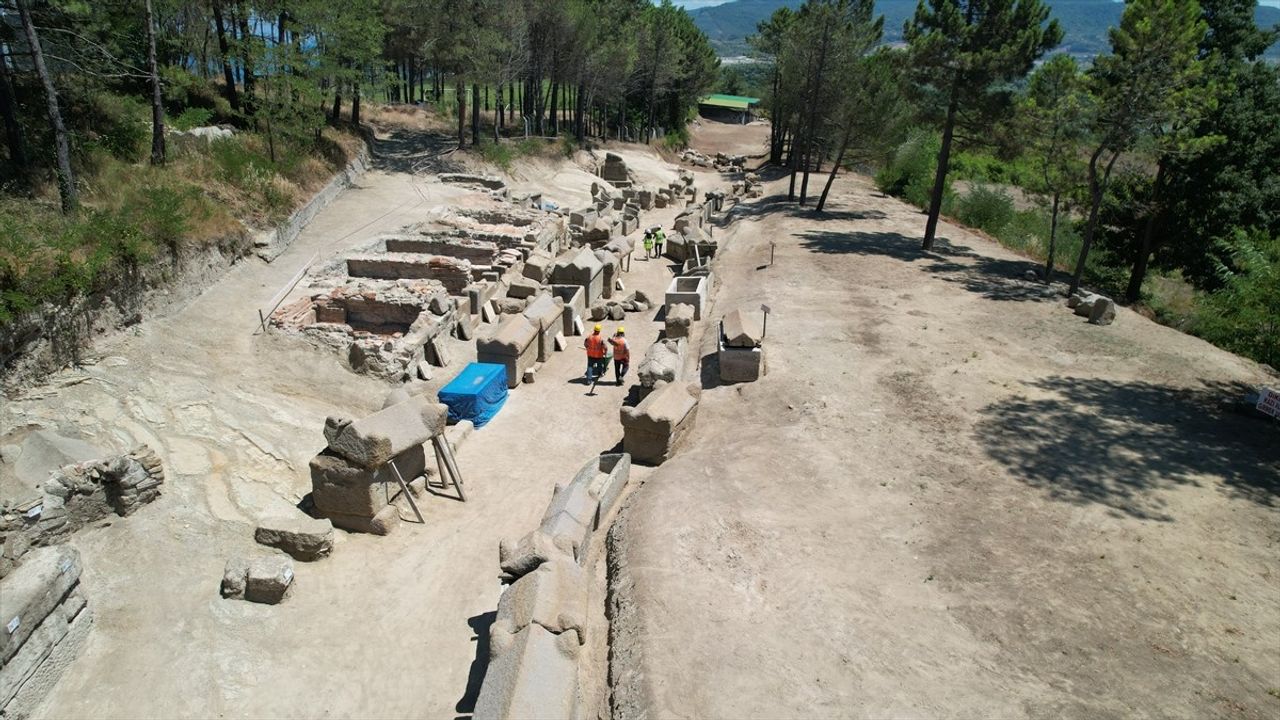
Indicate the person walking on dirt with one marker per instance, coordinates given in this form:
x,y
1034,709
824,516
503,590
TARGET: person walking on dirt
x,y
597,354
621,354
659,238
648,244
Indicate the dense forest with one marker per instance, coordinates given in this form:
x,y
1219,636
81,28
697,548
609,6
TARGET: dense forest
x,y
1152,174
102,178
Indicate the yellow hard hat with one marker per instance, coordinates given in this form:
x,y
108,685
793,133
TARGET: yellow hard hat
x,y
622,330
597,328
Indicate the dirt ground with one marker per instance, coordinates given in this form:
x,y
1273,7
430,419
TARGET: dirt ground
x,y
387,627
949,497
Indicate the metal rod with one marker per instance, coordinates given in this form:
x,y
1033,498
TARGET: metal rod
x,y
405,487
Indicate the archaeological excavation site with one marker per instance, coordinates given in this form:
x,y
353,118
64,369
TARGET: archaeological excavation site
x,y
511,361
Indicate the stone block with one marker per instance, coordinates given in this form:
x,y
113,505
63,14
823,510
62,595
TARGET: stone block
x,y
517,558
656,428
32,591
584,217
604,477
583,269
538,267
532,674
523,287
514,345
27,677
575,500
373,440
302,537
554,596
1103,312
575,305
234,576
662,362
342,488
690,290
740,364
741,329
270,579
679,320
547,313
382,523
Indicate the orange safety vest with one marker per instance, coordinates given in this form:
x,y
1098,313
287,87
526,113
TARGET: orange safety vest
x,y
620,350
595,346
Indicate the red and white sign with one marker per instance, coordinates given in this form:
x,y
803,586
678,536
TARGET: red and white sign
x,y
1269,402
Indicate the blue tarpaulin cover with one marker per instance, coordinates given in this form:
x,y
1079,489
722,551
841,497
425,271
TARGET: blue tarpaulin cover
x,y
477,394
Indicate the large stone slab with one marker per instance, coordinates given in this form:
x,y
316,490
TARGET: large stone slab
x,y
341,489
656,428
678,320
547,313
553,596
514,346
373,440
531,674
32,591
302,537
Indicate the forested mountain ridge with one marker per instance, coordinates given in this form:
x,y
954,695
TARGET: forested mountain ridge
x,y
1084,22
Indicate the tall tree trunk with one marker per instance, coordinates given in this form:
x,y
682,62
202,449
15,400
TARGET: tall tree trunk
x,y
940,178
1097,186
555,101
835,168
336,114
1053,238
12,129
460,96
228,76
157,98
355,104
66,180
246,59
475,113
1133,292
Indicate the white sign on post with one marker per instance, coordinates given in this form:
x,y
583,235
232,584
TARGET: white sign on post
x,y
1269,402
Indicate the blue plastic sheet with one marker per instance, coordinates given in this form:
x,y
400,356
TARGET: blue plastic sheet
x,y
477,394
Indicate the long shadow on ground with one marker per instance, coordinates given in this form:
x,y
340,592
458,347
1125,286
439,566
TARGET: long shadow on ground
x,y
992,278
1120,444
481,625
415,153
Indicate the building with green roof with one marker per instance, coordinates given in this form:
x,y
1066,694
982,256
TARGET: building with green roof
x,y
733,108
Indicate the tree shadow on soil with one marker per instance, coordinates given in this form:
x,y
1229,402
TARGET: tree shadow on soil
x,y
480,625
1120,444
992,278
415,153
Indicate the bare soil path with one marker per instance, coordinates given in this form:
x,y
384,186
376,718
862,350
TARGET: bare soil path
x,y
950,497
387,627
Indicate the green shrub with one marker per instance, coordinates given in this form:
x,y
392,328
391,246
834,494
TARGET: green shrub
x,y
909,173
985,208
118,124
1244,316
498,154
192,117
677,139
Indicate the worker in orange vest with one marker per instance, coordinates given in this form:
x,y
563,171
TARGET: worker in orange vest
x,y
597,354
621,353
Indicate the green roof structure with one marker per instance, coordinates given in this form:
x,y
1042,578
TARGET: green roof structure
x,y
733,102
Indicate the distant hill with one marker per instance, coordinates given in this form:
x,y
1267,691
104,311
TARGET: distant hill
x,y
1084,22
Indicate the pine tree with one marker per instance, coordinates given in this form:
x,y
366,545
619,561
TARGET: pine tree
x,y
963,54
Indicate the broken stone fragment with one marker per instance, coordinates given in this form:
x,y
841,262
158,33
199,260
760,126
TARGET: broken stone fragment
x,y
743,329
269,580
1103,311
234,577
302,537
